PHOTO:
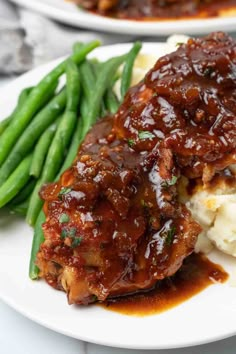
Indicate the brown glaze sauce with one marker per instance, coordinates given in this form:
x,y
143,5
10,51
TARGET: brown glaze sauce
x,y
169,9
196,274
114,223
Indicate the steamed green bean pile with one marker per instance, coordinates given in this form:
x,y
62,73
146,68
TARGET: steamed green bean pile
x,y
41,137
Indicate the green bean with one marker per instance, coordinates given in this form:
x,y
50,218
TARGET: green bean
x,y
87,83
24,95
21,208
73,87
60,142
21,100
89,71
103,110
77,46
41,149
25,114
94,61
38,233
87,78
76,141
83,108
128,68
73,149
17,125
5,122
31,134
24,193
107,71
112,102
95,67
37,241
15,182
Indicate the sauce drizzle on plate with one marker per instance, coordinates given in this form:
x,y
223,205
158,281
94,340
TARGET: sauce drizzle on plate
x,y
196,274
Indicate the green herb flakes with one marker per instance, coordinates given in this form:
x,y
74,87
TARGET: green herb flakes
x,y
64,233
173,181
71,233
130,142
170,235
63,191
143,135
64,218
68,232
170,182
76,242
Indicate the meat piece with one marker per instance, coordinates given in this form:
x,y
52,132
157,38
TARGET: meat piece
x,y
189,101
114,222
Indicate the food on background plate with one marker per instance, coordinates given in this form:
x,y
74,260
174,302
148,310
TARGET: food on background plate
x,y
115,223
159,9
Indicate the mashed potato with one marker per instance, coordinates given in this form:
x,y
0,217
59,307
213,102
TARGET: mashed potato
x,y
214,210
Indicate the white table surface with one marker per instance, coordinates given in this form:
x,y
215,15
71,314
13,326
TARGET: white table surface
x,y
18,335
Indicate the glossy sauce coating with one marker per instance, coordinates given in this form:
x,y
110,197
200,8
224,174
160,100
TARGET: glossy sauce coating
x,y
196,274
115,224
188,103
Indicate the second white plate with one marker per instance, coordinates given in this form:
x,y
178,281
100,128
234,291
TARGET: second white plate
x,y
68,13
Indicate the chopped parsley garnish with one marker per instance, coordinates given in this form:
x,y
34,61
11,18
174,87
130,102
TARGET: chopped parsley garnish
x,y
71,233
76,242
145,135
64,218
63,191
173,181
170,182
130,142
64,233
170,235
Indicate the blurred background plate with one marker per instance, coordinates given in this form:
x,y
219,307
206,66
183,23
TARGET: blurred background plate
x,y
68,13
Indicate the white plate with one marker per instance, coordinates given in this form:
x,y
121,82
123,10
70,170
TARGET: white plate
x,y
206,317
70,14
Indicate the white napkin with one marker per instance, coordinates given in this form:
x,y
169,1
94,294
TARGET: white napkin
x,y
28,39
